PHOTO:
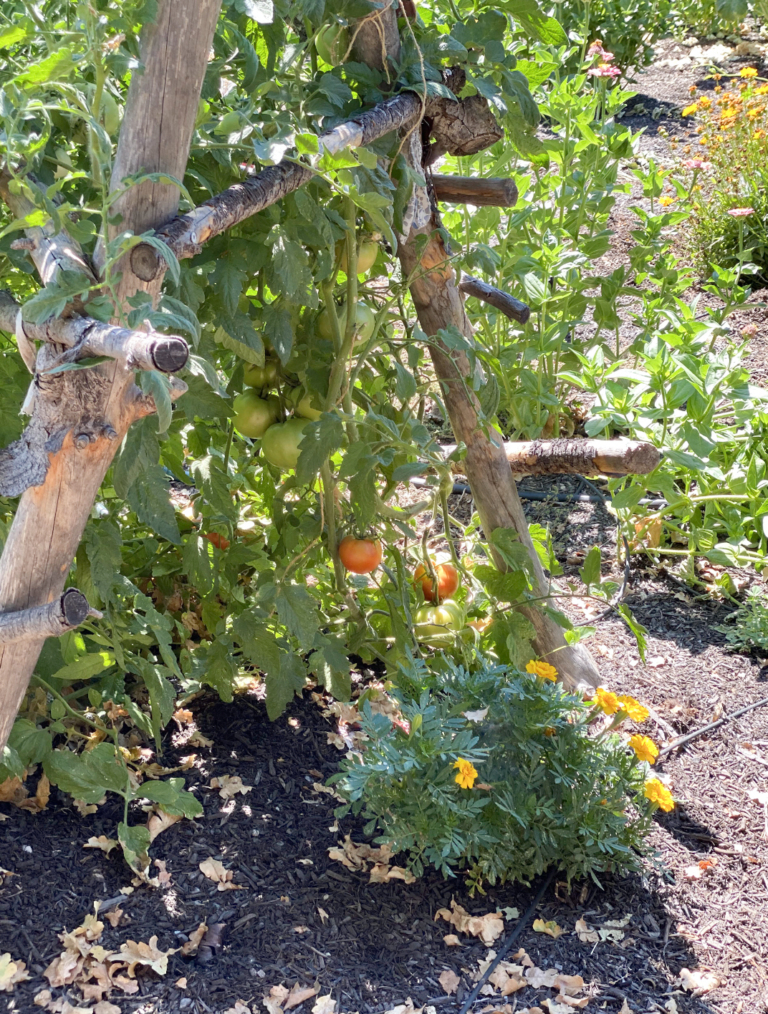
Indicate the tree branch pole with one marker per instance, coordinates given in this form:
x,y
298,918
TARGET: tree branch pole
x,y
85,336
575,456
439,304
490,192
65,613
509,306
97,406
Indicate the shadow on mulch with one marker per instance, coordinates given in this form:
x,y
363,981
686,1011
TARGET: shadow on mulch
x,y
301,916
691,625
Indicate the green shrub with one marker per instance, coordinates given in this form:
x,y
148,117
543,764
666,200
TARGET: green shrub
x,y
748,626
549,791
628,28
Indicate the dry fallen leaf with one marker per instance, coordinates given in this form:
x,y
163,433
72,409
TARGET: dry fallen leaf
x,y
114,917
613,929
538,977
550,928
381,874
451,940
214,870
570,985
138,953
323,915
325,1005
274,1000
449,980
105,1007
181,983
11,972
102,842
163,875
239,1008
572,1001
160,821
698,982
487,927
43,998
625,1008
299,994
229,786
195,937
556,1008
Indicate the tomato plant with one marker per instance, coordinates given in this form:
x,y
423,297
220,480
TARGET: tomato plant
x,y
254,415
447,581
361,556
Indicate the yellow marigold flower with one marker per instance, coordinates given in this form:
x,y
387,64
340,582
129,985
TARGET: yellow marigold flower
x,y
659,794
607,700
758,134
748,72
666,201
705,102
690,110
542,669
754,113
762,90
636,711
645,749
467,775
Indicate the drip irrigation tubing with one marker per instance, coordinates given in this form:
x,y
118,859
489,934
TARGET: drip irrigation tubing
x,y
507,945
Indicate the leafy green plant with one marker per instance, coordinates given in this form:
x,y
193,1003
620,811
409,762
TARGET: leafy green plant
x,y
628,28
546,791
747,627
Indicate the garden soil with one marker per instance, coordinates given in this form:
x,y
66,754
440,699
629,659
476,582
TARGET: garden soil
x,y
299,916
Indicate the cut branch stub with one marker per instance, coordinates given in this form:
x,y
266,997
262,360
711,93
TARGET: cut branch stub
x,y
65,613
460,127
487,192
88,337
511,307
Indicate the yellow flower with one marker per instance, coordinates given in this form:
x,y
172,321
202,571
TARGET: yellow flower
x,y
754,113
467,773
705,102
762,90
748,72
542,669
758,134
659,794
690,110
666,201
636,711
645,749
607,700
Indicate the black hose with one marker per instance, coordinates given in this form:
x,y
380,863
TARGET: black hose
x,y
507,945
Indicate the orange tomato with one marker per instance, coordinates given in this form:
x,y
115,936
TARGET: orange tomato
x,y
216,540
361,556
447,580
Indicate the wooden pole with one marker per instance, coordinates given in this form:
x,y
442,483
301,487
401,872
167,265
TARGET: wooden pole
x,y
439,304
488,192
98,405
575,456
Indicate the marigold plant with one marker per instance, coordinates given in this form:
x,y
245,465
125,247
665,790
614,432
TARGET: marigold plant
x,y
730,209
552,792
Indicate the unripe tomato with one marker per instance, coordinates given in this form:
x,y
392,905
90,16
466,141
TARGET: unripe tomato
x,y
432,621
332,43
216,540
361,556
447,580
367,251
280,444
254,415
365,321
261,376
302,404
229,123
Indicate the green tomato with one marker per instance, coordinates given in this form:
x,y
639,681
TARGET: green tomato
x,y
261,377
432,621
365,322
254,415
302,404
280,444
367,252
229,123
332,43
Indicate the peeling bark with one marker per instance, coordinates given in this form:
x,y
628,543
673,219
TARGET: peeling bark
x,y
576,456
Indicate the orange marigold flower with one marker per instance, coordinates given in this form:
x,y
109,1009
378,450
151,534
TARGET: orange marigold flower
x,y
705,102
542,669
658,793
636,711
645,749
748,72
467,775
607,701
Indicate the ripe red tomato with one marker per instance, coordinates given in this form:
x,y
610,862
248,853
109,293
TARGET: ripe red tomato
x,y
216,540
361,556
447,580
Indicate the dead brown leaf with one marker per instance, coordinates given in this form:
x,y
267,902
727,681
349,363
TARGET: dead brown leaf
x,y
229,786
324,1005
160,821
451,940
274,1000
487,927
299,995
240,1008
214,870
163,875
114,917
11,973
190,947
12,791
550,928
105,1007
102,842
135,953
449,980
698,981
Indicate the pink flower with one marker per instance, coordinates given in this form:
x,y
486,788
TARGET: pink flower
x,y
696,163
604,70
741,212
